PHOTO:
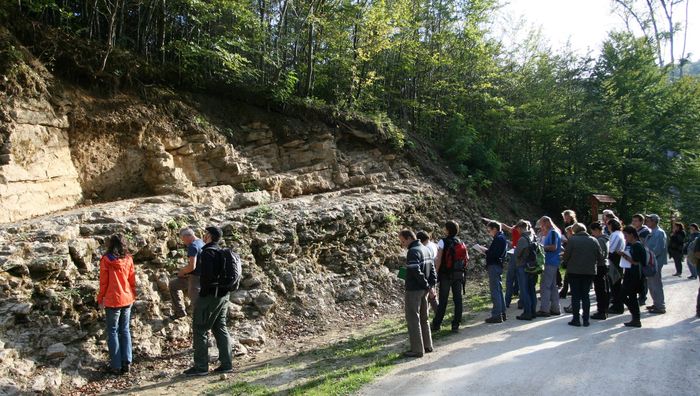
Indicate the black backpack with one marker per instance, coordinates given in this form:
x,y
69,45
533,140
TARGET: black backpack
x,y
226,272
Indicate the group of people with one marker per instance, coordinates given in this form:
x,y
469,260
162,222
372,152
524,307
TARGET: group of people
x,y
622,263
208,300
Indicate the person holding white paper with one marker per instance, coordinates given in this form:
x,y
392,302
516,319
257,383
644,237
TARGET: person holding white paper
x,y
632,279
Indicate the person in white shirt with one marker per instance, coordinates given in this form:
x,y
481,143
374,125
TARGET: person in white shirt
x,y
424,238
617,244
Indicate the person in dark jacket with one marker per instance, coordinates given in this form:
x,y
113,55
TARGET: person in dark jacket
x,y
449,279
210,311
581,257
694,233
495,256
632,279
420,282
675,246
526,281
601,283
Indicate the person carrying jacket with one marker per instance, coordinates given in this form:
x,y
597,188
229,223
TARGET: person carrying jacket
x,y
526,281
601,283
495,258
420,282
117,294
582,256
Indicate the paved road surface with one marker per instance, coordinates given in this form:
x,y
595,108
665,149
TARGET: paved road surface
x,y
548,357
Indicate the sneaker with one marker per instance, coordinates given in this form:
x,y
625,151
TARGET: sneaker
x,y
542,314
633,323
575,323
223,370
195,372
494,319
599,316
657,311
677,274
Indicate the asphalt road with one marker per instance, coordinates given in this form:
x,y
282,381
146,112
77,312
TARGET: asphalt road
x,y
548,357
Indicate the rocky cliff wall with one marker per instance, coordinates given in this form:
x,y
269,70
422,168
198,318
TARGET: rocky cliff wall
x,y
312,205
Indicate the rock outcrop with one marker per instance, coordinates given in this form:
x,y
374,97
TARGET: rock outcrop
x,y
312,206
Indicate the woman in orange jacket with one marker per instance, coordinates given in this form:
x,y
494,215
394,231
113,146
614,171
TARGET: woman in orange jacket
x,y
117,293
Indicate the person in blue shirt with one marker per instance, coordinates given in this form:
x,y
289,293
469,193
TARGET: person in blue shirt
x,y
187,278
495,257
657,243
551,240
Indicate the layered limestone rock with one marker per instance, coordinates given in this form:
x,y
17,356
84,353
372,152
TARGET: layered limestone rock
x,y
37,175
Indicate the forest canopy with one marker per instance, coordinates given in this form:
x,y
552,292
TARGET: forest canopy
x,y
554,125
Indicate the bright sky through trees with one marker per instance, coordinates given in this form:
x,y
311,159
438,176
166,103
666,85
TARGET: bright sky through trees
x,y
585,23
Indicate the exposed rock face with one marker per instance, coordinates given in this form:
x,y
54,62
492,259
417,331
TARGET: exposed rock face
x,y
37,175
312,207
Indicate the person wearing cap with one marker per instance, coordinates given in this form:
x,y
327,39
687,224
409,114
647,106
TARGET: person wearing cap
x,y
188,276
210,312
656,242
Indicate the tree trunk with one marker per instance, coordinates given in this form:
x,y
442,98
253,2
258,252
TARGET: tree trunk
x,y
111,29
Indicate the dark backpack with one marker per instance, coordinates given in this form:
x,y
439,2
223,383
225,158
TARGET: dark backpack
x,y
226,272
455,255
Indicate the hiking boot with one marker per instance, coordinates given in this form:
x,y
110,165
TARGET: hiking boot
x,y
114,371
692,277
599,316
428,350
520,305
504,317
616,311
455,330
568,309
494,319
642,302
634,323
586,323
651,307
524,317
657,311
542,314
411,354
195,372
555,313
575,323
434,328
126,368
677,274
223,370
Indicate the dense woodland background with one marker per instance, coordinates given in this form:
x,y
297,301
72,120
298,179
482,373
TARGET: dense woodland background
x,y
554,125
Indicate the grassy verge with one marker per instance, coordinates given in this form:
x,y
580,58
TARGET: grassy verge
x,y
342,367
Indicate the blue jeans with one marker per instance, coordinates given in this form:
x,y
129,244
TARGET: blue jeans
x,y
119,336
496,287
527,290
511,281
693,269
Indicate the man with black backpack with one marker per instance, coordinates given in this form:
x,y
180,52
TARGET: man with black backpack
x,y
221,273
450,263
